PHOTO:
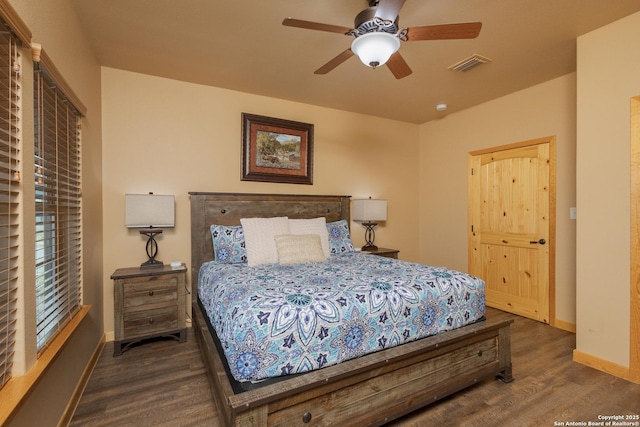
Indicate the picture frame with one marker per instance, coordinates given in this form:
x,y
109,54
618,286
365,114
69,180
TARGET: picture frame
x,y
276,150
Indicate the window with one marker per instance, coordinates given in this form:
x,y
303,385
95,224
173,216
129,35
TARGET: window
x,y
57,205
9,194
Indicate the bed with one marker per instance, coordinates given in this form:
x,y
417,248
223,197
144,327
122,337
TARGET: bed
x,y
369,389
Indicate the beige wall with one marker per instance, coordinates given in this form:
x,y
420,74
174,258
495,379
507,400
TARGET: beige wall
x,y
171,137
608,76
74,59
543,110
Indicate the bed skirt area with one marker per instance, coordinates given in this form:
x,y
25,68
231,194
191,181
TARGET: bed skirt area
x,y
371,390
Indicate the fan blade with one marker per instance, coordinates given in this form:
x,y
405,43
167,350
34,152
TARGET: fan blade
x,y
335,62
290,22
389,9
398,66
469,30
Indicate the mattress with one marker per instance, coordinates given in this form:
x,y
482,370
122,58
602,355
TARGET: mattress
x,y
275,320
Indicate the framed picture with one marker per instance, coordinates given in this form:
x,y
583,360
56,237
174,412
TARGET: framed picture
x,y
276,150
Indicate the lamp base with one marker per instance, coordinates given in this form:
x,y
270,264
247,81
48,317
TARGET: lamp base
x,y
152,249
152,263
369,236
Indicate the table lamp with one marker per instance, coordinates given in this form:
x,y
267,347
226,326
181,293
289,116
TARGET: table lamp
x,y
150,213
369,212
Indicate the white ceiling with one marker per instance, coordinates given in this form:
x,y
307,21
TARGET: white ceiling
x,y
242,45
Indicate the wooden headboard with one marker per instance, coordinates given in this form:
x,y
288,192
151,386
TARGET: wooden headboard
x,y
228,208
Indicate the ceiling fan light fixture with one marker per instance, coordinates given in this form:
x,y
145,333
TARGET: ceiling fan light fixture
x,y
374,49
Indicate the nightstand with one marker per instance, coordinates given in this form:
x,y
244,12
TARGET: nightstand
x,y
385,252
148,303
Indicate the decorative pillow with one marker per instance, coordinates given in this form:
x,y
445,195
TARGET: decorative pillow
x,y
339,238
258,238
312,226
299,248
228,244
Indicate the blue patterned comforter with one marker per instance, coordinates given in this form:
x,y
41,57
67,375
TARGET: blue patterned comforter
x,y
275,320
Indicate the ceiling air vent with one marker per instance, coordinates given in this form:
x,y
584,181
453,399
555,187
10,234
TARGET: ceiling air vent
x,y
469,63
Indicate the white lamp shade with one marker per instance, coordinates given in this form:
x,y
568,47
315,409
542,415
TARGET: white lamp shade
x,y
369,210
375,49
149,210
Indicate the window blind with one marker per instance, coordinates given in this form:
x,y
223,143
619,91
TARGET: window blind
x,y
9,195
57,206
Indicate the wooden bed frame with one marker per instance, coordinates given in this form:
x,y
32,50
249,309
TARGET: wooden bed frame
x,y
371,390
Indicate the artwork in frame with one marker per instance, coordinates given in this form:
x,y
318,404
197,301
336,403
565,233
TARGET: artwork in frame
x,y
276,150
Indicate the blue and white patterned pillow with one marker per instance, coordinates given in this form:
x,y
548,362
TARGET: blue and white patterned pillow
x,y
228,244
339,237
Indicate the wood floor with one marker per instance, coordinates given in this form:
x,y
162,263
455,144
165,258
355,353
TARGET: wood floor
x,y
164,383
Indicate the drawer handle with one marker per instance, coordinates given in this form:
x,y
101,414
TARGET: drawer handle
x,y
479,353
306,417
151,321
150,293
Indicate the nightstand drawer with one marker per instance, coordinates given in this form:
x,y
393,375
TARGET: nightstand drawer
x,y
149,322
150,293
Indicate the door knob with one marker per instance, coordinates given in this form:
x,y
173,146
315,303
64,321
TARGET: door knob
x,y
541,241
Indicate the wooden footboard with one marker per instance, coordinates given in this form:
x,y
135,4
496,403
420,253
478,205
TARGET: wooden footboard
x,y
370,390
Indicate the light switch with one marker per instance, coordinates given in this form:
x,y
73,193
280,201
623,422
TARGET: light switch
x,y
573,213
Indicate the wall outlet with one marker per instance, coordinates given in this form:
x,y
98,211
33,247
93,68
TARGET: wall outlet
x,y
573,213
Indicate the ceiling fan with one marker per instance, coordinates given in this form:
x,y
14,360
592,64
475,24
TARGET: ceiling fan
x,y
377,36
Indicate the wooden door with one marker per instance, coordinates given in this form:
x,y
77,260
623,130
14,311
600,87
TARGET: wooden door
x,y
511,235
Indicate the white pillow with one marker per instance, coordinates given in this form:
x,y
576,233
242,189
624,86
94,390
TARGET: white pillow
x,y
299,248
258,238
312,226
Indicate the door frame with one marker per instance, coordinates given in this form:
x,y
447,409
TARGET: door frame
x,y
634,286
551,140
